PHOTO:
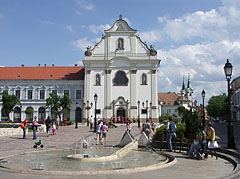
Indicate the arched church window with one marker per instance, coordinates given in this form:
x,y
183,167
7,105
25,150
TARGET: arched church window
x,y
144,79
120,79
120,44
98,80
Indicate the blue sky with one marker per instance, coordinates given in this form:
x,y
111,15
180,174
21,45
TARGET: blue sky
x,y
191,36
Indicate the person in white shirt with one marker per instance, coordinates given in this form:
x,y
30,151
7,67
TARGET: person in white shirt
x,y
91,122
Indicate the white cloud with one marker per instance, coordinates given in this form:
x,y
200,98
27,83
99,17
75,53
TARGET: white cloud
x,y
69,28
163,19
85,5
47,22
99,28
204,62
83,43
150,36
127,20
80,63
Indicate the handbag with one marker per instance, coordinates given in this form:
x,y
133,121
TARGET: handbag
x,y
22,125
212,144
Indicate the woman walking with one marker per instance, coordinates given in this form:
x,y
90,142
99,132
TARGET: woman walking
x,y
104,133
25,124
35,124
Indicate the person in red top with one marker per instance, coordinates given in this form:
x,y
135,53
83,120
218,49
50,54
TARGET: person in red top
x,y
25,128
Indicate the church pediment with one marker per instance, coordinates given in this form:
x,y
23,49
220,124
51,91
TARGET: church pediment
x,y
120,26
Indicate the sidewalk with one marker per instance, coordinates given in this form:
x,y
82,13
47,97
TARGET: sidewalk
x,y
67,137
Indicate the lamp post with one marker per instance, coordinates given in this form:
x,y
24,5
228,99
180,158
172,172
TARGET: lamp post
x,y
95,120
146,108
87,108
138,113
228,73
203,111
151,110
76,120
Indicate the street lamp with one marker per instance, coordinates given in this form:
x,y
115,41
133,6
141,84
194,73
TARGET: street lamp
x,y
95,120
87,108
228,73
138,113
203,111
76,119
151,110
146,108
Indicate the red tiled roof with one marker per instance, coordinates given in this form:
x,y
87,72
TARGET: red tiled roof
x,y
37,73
169,98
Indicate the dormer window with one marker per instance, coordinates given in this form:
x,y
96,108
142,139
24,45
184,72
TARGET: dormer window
x,y
120,44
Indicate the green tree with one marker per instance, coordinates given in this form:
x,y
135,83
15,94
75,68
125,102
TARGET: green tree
x,y
9,102
29,113
58,105
192,122
181,111
217,106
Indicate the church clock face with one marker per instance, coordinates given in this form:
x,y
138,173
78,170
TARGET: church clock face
x,y
120,79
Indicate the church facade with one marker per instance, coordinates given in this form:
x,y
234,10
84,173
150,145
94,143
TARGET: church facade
x,y
121,70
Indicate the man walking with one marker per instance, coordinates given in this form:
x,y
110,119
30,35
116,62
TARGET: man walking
x,y
171,129
91,122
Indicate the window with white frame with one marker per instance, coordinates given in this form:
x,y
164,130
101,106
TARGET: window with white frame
x,y
54,91
66,92
30,94
17,93
78,94
42,94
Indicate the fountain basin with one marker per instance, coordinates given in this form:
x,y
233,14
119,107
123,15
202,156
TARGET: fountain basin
x,y
116,155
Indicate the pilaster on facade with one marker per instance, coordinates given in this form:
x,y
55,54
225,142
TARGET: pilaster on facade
x,y
107,94
133,94
154,96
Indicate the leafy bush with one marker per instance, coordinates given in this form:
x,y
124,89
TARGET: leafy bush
x,y
181,128
159,132
70,123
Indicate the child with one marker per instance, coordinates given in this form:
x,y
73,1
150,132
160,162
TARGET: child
x,y
104,133
54,128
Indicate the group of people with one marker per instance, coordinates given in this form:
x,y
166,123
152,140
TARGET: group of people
x,y
148,128
24,126
51,125
101,131
203,137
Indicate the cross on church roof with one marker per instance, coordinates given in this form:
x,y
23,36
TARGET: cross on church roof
x,y
120,16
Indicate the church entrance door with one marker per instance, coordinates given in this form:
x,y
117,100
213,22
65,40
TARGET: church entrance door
x,y
121,112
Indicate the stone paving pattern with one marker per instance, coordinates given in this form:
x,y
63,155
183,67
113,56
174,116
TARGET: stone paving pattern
x,y
67,136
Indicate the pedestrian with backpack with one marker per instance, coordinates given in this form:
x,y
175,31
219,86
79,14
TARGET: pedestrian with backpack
x,y
171,129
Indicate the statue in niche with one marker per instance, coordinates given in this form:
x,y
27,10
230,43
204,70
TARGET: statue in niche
x,y
120,44
98,82
144,79
120,27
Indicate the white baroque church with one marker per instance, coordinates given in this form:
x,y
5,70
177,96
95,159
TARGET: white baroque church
x,y
120,70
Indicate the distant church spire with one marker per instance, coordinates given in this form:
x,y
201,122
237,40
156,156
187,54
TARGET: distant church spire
x,y
186,90
189,86
182,91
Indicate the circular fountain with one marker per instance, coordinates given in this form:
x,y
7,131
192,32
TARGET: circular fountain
x,y
86,158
